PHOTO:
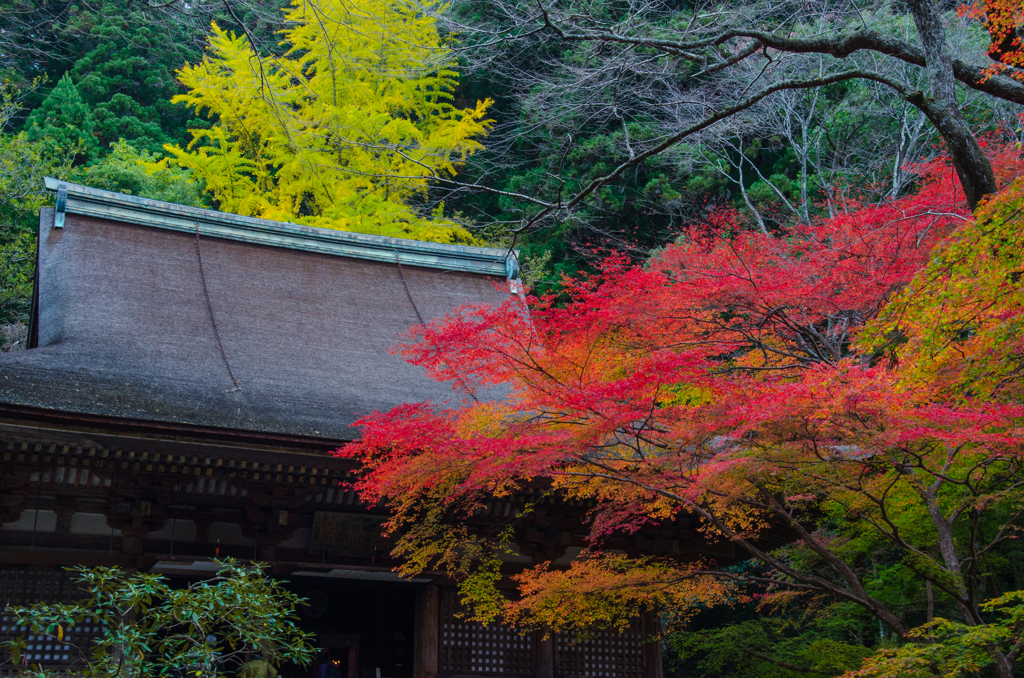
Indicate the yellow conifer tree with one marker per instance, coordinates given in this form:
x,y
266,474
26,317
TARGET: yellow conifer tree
x,y
344,130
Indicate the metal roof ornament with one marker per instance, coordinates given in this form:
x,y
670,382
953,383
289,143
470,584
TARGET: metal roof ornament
x,y
515,284
61,208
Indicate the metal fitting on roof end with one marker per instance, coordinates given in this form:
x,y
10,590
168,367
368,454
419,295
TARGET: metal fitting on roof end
x,y
62,204
512,273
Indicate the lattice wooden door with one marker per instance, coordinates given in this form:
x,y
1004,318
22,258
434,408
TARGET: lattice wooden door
x,y
610,654
468,648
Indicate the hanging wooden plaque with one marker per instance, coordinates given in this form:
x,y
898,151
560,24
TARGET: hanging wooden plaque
x,y
348,534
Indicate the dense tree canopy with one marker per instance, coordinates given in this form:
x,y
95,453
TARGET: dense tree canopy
x,y
750,381
120,57
344,131
627,120
776,249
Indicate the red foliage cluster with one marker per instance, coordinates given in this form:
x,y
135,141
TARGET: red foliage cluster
x,y
723,378
1004,20
669,354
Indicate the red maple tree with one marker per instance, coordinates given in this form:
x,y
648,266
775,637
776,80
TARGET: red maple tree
x,y
742,379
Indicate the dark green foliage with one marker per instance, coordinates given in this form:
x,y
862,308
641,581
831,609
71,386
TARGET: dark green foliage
x,y
125,118
782,631
17,268
122,58
780,634
780,646
148,628
126,73
120,171
23,164
64,121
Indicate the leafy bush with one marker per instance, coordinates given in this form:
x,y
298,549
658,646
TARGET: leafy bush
x,y
148,628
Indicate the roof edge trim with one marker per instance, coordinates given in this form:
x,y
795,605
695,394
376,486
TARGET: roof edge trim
x,y
94,202
43,418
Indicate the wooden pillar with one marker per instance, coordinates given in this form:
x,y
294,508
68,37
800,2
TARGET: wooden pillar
x,y
544,654
651,633
203,521
426,636
353,663
64,515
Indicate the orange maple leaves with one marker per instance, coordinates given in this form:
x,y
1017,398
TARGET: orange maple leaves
x,y
730,377
1004,20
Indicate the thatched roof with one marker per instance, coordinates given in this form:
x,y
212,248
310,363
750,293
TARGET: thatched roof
x,y
307,317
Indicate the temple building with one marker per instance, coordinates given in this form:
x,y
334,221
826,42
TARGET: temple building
x,y
189,373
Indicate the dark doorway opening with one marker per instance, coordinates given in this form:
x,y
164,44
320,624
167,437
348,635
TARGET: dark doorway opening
x,y
362,626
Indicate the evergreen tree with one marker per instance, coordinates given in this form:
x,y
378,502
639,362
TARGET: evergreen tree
x,y
120,55
126,72
64,121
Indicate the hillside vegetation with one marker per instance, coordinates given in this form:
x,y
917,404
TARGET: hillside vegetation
x,y
773,252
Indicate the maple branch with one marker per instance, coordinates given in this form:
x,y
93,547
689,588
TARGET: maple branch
x,y
550,209
840,46
851,578
855,594
1004,528
772,581
895,535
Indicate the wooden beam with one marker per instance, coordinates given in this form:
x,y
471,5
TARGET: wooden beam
x,y
69,558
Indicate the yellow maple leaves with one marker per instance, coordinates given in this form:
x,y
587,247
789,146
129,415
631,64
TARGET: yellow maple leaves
x,y
344,131
958,326
601,590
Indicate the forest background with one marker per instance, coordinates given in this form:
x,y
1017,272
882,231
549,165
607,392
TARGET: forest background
x,y
836,141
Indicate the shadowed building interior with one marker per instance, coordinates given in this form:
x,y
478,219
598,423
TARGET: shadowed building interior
x,y
189,374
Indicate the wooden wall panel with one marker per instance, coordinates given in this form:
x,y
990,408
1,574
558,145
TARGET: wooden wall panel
x,y
607,654
468,648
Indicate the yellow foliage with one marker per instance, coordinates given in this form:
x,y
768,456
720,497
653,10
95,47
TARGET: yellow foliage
x,y
959,325
344,131
605,589
685,395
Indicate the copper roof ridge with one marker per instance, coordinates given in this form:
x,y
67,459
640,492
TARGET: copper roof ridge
x,y
95,202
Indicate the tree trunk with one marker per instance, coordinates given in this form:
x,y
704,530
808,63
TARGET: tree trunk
x,y
1004,667
973,168
947,547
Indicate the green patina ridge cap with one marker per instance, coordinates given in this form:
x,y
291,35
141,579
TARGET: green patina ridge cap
x,y
98,203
